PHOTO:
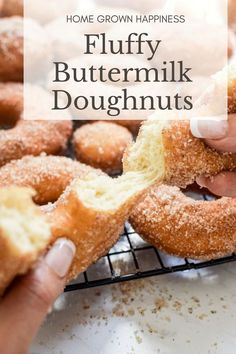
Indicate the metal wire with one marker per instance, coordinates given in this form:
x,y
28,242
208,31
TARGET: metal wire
x,y
132,258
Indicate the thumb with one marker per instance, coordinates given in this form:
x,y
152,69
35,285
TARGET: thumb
x,y
25,306
218,133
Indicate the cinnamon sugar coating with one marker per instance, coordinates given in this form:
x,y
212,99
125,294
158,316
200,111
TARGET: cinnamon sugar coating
x,y
181,226
47,175
187,157
102,145
28,137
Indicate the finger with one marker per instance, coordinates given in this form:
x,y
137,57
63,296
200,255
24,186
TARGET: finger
x,y
218,133
25,306
224,184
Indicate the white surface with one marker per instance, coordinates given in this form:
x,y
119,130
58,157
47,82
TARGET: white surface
x,y
197,315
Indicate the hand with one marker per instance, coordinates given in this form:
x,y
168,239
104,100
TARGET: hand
x,y
27,302
220,135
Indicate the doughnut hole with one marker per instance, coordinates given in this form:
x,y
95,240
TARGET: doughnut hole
x,y
195,192
102,145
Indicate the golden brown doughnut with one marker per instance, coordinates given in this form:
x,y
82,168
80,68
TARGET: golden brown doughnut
x,y
102,145
187,157
12,8
24,233
175,223
92,210
47,175
184,227
28,137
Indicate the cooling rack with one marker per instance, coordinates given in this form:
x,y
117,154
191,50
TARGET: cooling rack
x,y
131,258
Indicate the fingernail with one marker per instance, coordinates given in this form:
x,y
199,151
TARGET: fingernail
x,y
209,128
201,181
60,256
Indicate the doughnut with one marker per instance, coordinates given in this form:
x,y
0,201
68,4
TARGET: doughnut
x,y
47,175
28,137
12,8
176,223
24,233
37,48
184,227
102,145
181,157
93,208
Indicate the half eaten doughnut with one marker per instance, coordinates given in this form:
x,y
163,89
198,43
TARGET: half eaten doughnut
x,y
47,175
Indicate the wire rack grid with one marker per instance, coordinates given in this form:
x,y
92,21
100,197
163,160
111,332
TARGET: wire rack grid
x,y
132,258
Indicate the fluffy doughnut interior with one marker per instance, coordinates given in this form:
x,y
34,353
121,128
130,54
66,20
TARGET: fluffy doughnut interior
x,y
21,223
145,165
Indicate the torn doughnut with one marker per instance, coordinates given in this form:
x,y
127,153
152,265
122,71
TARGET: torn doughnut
x,y
47,175
24,233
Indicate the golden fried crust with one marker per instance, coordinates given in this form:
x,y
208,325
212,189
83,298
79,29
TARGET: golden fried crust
x,y
47,175
27,137
93,231
102,145
12,8
184,227
187,157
